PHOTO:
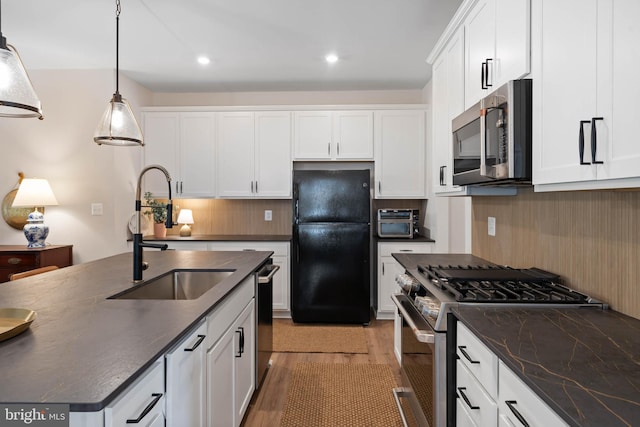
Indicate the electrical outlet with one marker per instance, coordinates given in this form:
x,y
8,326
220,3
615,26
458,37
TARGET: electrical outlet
x,y
268,215
96,209
491,226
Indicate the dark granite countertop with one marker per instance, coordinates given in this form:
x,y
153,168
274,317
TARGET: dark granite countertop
x,y
584,363
83,349
224,238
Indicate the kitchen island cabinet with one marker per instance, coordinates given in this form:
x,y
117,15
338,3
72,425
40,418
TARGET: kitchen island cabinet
x,y
96,347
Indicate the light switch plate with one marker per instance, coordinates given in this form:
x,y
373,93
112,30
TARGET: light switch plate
x,y
491,226
268,215
96,209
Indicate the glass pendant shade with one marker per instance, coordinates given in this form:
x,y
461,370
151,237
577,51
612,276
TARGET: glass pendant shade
x,y
118,125
17,96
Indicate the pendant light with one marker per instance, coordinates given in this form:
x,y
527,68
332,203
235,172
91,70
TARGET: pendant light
x,y
118,125
17,96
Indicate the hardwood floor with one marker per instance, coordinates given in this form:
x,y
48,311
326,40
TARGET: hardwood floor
x,y
267,405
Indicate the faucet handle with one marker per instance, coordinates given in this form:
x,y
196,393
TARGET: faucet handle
x,y
145,265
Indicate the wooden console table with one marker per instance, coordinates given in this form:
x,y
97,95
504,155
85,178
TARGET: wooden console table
x,y
18,258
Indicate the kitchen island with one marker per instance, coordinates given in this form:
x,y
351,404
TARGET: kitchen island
x,y
84,349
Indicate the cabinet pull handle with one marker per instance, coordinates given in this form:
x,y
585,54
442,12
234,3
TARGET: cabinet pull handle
x,y
379,187
252,186
462,349
511,404
581,142
256,187
487,74
406,250
200,339
594,141
442,175
466,399
482,75
145,411
14,261
180,187
240,332
338,145
328,149
177,187
383,269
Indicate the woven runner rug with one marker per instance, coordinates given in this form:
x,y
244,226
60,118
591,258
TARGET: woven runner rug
x,y
311,338
341,395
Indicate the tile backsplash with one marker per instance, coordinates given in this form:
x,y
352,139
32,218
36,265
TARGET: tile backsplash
x,y
590,238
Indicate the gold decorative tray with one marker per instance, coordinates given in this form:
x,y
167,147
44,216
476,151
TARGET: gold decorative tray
x,y
14,321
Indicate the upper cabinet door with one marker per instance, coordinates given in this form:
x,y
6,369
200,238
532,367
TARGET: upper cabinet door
x,y
564,91
497,45
273,154
197,154
333,135
161,147
236,154
353,135
480,51
400,159
312,135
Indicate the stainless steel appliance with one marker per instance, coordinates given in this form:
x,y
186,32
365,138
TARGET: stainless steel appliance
x,y
428,294
331,246
492,139
264,319
398,223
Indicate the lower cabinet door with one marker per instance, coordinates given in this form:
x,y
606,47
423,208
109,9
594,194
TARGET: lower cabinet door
x,y
463,419
220,372
185,381
231,372
245,361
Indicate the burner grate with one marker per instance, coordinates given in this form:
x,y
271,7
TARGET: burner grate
x,y
501,284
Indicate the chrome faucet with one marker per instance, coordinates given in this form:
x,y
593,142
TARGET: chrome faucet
x,y
138,264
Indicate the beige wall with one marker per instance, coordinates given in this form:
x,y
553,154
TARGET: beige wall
x,y
60,148
592,239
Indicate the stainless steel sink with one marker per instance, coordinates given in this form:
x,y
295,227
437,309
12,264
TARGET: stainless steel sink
x,y
176,285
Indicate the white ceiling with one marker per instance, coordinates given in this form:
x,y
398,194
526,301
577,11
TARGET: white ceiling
x,y
254,45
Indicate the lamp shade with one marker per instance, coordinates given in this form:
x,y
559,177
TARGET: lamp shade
x,y
34,192
17,96
185,216
118,125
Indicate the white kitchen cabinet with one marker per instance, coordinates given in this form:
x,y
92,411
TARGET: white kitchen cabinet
x,y
333,135
489,393
143,403
231,371
183,143
280,257
185,368
400,154
601,39
497,46
516,400
448,102
254,154
389,268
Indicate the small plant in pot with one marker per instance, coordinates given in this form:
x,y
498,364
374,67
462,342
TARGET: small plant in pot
x,y
159,212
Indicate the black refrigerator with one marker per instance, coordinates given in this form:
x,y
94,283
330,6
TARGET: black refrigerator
x,y
331,246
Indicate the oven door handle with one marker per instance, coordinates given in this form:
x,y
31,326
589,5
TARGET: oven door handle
x,y
422,335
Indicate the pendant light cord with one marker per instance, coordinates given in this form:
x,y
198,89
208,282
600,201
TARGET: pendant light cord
x,y
118,10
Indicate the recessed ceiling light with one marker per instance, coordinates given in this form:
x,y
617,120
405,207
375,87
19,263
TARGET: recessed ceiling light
x,y
203,60
332,58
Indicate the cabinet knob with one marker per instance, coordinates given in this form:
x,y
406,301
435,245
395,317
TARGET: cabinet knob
x,y
14,261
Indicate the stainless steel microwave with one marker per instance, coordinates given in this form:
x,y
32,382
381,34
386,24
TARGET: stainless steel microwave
x,y
492,139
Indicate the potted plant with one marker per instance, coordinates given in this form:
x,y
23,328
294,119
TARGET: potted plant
x,y
159,212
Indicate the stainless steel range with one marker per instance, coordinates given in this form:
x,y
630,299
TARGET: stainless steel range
x,y
429,292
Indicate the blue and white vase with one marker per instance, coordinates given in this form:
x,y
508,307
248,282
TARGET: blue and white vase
x,y
35,230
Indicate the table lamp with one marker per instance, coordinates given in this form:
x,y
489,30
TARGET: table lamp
x,y
35,192
185,217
